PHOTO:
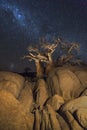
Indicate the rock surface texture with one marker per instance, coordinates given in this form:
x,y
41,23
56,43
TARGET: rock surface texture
x,y
58,102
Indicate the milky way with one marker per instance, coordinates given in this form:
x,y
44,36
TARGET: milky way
x,y
22,22
23,17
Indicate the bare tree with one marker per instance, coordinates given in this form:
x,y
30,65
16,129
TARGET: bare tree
x,y
70,47
44,54
69,52
38,57
49,49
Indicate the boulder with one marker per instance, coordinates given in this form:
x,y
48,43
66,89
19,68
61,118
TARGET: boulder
x,y
12,114
11,82
63,123
40,93
81,115
53,119
66,82
82,75
55,102
72,122
26,97
75,104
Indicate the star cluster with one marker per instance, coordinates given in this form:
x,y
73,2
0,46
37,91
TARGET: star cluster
x,y
24,21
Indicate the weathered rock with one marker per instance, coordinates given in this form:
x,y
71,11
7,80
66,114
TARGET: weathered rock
x,y
43,125
26,97
67,82
81,115
82,75
75,104
64,85
41,93
55,102
45,117
37,120
11,82
10,86
63,124
73,124
55,87
12,114
84,93
53,119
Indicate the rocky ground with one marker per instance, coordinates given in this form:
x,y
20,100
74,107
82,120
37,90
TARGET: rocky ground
x,y
58,102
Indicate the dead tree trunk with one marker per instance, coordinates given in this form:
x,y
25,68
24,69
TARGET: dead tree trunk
x,y
49,67
50,64
39,69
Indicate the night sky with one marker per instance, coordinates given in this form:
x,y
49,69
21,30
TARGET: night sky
x,y
22,22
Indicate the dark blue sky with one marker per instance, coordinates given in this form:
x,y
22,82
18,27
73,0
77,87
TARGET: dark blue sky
x,y
22,22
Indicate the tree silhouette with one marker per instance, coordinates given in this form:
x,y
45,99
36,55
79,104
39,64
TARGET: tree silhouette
x,y
44,51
